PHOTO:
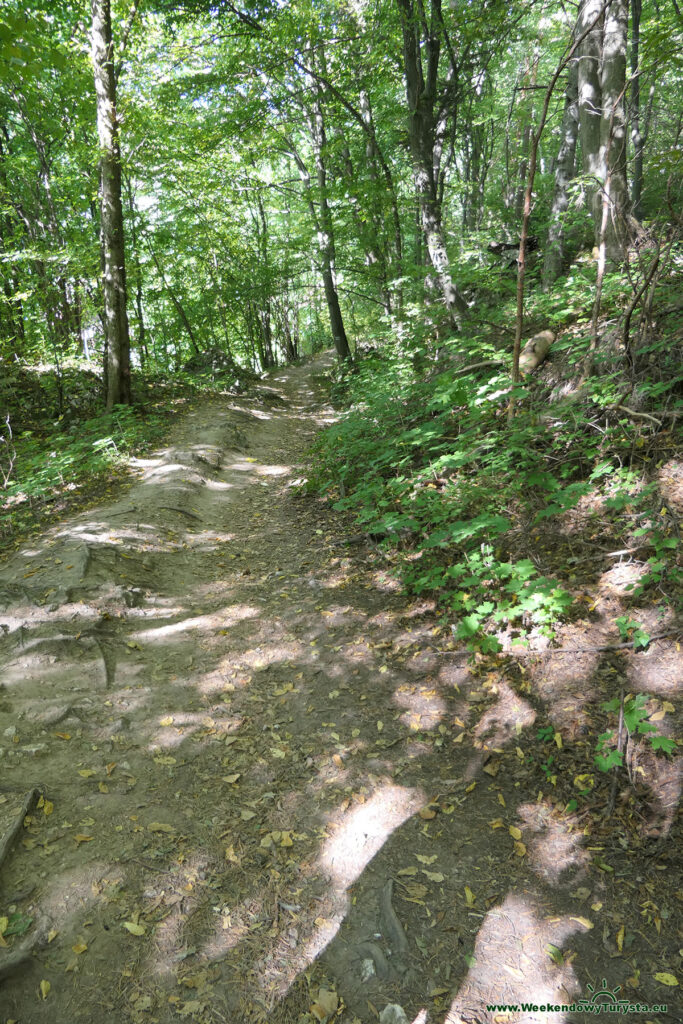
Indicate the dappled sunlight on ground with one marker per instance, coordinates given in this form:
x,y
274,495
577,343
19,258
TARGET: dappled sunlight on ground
x,y
251,737
514,961
364,830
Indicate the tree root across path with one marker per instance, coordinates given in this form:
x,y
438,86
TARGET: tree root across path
x,y
22,954
281,785
7,841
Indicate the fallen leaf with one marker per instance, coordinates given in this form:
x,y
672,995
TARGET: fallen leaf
x,y
80,947
52,934
470,787
85,773
133,928
666,979
168,720
232,779
555,953
160,826
80,838
492,769
231,856
48,807
164,759
45,987
520,849
469,896
620,939
427,813
515,832
501,800
496,823
433,876
325,1005
423,859
412,870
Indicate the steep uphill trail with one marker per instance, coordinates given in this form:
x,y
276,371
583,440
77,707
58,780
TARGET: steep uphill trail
x,y
242,779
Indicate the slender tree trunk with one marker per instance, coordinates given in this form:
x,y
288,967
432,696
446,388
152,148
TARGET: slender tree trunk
x,y
564,173
613,129
636,136
117,337
589,24
421,96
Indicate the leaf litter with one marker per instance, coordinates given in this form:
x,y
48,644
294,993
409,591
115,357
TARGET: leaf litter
x,y
247,834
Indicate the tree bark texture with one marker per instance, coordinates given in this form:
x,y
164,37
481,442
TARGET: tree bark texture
x,y
564,173
602,118
117,338
421,54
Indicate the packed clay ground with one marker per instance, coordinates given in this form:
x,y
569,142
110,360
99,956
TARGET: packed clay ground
x,y
244,778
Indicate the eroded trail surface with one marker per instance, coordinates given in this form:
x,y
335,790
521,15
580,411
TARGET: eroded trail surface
x,y
265,792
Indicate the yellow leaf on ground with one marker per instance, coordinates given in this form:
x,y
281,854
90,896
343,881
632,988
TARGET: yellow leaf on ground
x,y
515,832
45,987
620,938
470,787
469,896
85,773
232,779
168,720
412,870
433,876
286,839
133,928
520,849
48,807
666,979
423,859
80,838
160,826
501,800
80,947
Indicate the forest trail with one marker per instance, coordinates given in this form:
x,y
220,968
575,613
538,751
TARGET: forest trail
x,y
269,792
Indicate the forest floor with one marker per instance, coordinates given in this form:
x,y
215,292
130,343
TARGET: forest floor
x,y
252,780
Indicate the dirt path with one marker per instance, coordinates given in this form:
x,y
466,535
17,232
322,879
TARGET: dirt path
x,y
268,790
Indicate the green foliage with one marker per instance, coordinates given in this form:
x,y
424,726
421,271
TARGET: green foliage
x,y
635,717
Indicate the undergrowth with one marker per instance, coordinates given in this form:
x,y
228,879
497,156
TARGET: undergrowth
x,y
51,462
430,467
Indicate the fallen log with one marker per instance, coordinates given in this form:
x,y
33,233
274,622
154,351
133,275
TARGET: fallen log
x,y
535,351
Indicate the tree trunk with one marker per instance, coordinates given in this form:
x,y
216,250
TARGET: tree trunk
x,y
602,118
564,173
613,129
421,95
590,97
117,339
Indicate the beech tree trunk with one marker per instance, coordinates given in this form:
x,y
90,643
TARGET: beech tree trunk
x,y
117,338
421,75
602,119
564,173
636,137
613,129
